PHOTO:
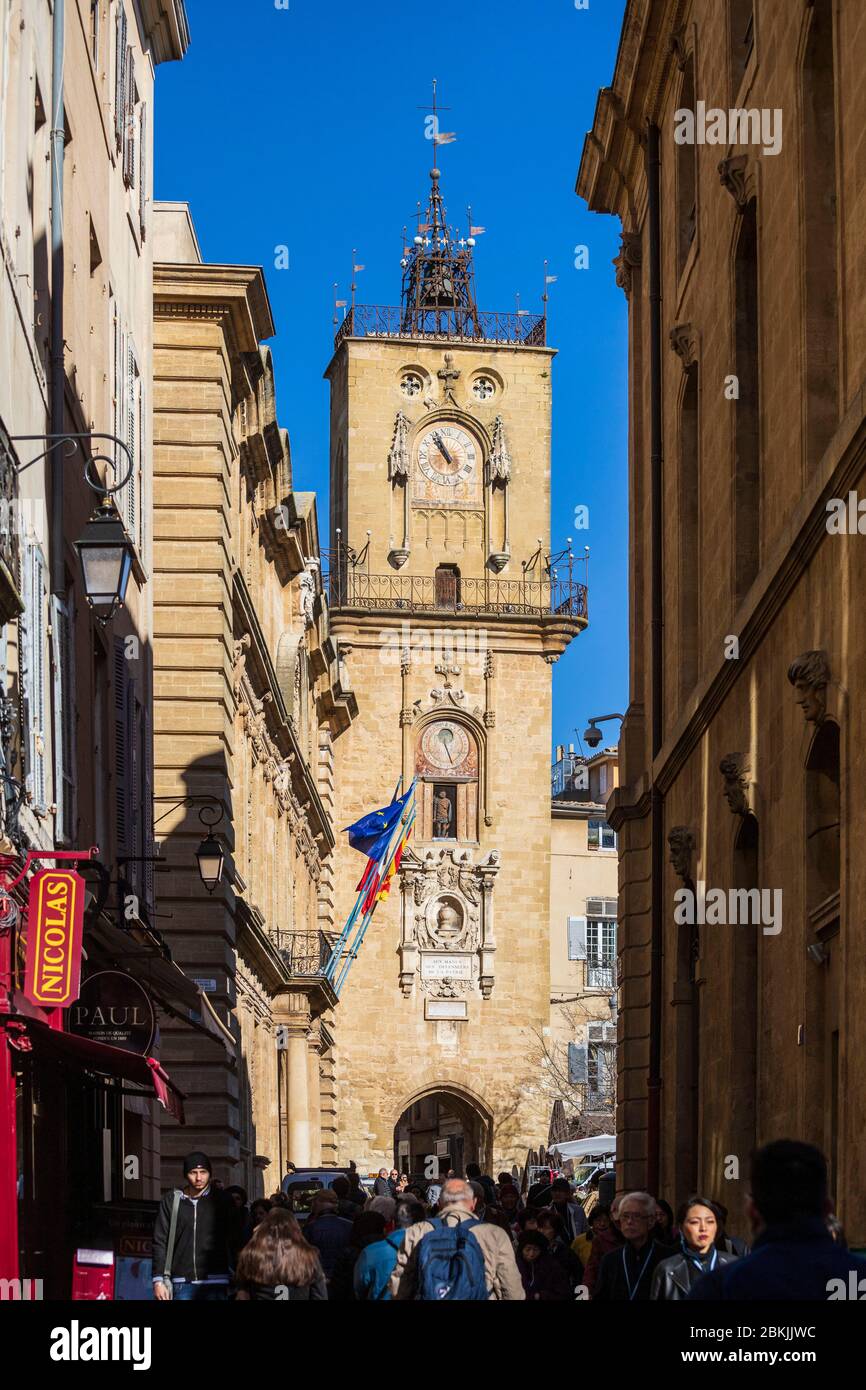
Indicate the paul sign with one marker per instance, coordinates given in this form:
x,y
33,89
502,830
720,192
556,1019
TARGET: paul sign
x,y
113,1008
55,922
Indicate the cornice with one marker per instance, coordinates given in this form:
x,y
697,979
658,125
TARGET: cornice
x,y
196,291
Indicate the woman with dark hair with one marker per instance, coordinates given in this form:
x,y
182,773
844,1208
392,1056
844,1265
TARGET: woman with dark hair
x,y
665,1232
698,1254
277,1264
552,1226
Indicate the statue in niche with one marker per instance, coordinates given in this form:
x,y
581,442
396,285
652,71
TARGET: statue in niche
x,y
448,923
442,815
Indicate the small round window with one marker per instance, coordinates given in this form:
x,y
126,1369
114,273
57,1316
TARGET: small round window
x,y
411,385
483,388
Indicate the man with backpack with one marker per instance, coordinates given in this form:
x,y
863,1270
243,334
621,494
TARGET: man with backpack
x,y
455,1257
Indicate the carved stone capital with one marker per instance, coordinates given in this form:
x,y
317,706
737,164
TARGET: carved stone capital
x,y
734,767
733,173
810,675
629,259
684,340
682,846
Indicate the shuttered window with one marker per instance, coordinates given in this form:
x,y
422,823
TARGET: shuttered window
x,y
577,938
129,123
142,170
128,420
120,76
63,673
576,1064
123,753
33,658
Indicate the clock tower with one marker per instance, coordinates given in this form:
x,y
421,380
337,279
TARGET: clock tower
x,y
449,613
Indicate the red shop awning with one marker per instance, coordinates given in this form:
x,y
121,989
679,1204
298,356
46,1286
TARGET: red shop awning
x,y
110,1061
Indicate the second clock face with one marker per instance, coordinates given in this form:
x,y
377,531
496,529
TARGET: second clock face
x,y
447,455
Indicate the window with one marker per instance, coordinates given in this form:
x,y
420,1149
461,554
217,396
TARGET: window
x,y
600,835
600,1066
600,949
63,672
94,31
686,175
120,76
33,638
447,584
128,421
747,492
742,39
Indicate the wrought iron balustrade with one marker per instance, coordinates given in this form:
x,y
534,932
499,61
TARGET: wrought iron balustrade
x,y
446,325
601,972
540,598
304,952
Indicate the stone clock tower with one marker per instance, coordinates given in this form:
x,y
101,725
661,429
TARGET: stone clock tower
x,y
449,615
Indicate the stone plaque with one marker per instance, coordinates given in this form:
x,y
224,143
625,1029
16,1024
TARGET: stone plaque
x,y
450,966
446,1008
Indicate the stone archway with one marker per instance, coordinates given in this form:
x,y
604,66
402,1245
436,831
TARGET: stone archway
x,y
440,1114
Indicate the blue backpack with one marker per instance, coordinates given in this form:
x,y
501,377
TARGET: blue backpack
x,y
451,1262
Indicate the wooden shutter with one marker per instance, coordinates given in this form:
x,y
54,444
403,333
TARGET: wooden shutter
x,y
133,824
577,938
120,72
129,123
33,652
142,170
121,748
146,811
577,1064
63,663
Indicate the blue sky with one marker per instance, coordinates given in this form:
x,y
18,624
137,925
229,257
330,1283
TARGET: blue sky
x,y
303,127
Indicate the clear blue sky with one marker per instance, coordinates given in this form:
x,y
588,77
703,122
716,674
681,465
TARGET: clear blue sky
x,y
301,127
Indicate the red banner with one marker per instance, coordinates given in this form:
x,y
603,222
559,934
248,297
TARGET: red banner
x,y
55,922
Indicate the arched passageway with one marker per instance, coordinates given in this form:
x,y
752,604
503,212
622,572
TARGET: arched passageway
x,y
442,1128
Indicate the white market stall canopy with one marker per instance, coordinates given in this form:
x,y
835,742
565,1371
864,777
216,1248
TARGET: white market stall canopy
x,y
600,1146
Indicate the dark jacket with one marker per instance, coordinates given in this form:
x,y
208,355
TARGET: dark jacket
x,y
201,1244
794,1261
612,1286
376,1265
330,1234
382,1188
674,1277
544,1279
262,1293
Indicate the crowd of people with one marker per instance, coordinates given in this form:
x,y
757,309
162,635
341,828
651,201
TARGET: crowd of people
x,y
468,1237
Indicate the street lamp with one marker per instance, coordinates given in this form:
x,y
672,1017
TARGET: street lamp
x,y
106,555
210,858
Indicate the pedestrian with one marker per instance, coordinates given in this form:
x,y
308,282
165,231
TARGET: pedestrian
x,y
191,1238
393,1179
278,1264
382,1187
475,1263
552,1227
665,1231
794,1256
480,1198
562,1201
474,1174
697,1256
237,1216
527,1220
368,1227
291,1170
376,1262
625,1275
598,1222
544,1279
433,1192
342,1190
510,1204
326,1230
402,1184
503,1180
357,1193
734,1245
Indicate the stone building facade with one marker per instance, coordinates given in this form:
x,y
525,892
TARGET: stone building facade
x,y
450,618
741,750
249,698
578,1050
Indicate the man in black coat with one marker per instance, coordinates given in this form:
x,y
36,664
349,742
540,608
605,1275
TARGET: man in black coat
x,y
626,1275
381,1187
794,1256
199,1260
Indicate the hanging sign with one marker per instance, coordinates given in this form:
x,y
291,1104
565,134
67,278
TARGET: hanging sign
x,y
113,1008
55,923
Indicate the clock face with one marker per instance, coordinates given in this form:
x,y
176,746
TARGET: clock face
x,y
445,746
447,455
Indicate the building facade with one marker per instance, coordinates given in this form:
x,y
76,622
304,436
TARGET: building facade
x,y
250,696
450,613
740,751
578,1050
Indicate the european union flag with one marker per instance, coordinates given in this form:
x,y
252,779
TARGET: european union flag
x,y
371,834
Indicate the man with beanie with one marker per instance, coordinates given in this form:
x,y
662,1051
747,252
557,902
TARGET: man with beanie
x,y
196,1268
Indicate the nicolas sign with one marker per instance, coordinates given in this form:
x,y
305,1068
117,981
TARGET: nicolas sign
x,y
113,1008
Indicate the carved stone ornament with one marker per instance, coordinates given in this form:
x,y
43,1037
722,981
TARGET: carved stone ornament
x,y
732,173
734,767
398,458
447,907
629,259
810,675
446,375
499,465
684,341
308,597
682,846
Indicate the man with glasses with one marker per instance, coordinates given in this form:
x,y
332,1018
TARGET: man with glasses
x,y
626,1275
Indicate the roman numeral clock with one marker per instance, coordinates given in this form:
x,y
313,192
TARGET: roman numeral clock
x,y
447,455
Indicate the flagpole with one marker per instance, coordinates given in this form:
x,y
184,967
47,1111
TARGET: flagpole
x,y
362,930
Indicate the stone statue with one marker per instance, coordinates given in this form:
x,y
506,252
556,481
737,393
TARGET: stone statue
x,y
734,768
810,674
448,922
308,597
682,843
441,816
